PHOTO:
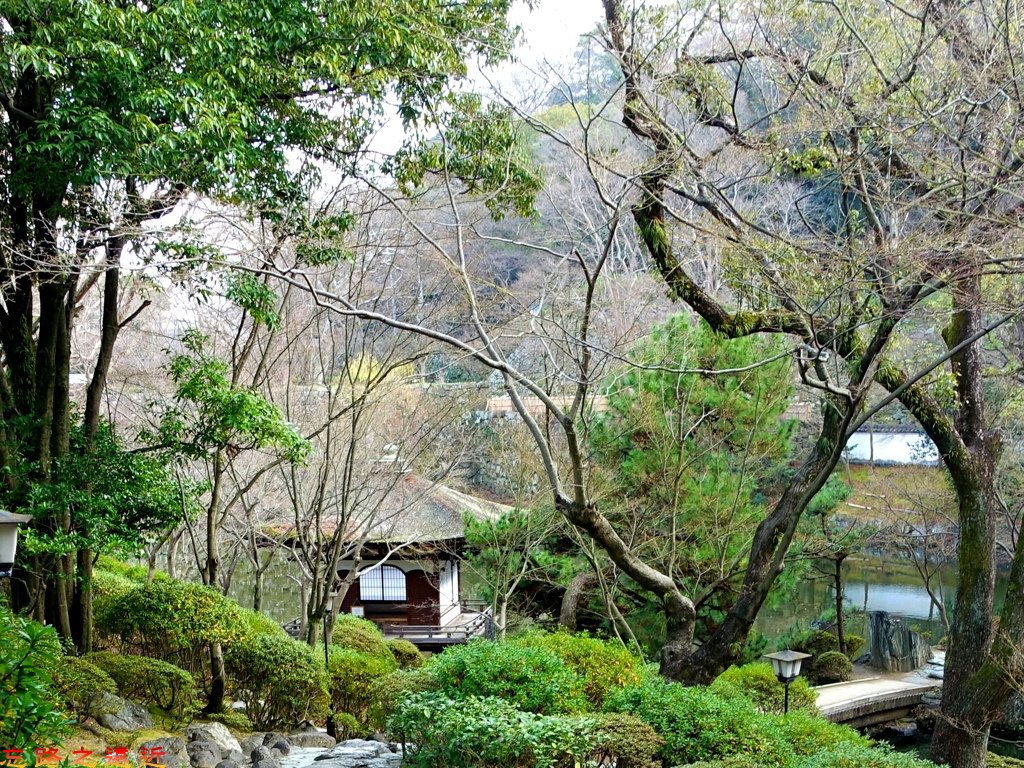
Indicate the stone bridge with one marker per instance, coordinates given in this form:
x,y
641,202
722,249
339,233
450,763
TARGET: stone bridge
x,y
862,703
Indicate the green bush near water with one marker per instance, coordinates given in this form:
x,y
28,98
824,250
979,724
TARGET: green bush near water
x,y
831,667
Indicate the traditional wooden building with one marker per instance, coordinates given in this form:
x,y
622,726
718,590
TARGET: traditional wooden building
x,y
409,569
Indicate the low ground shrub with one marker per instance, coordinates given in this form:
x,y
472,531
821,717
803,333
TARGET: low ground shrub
x,y
406,654
852,755
279,679
999,761
602,664
698,724
831,667
386,693
476,732
151,682
351,677
360,635
80,683
530,678
808,734
758,684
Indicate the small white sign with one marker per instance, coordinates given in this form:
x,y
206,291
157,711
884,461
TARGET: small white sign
x,y
357,610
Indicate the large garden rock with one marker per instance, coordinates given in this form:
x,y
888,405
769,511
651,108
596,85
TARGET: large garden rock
x,y
894,646
277,742
203,754
357,753
119,714
311,738
217,733
169,751
261,753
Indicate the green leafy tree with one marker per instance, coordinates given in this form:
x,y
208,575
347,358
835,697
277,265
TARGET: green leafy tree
x,y
115,113
692,453
212,418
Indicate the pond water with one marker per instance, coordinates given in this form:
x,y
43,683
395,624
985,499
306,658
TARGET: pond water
x,y
871,584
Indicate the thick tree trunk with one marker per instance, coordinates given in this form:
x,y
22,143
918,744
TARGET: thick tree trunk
x,y
580,583
218,683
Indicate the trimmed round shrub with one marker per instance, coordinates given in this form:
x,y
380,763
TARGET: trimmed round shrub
x,y
758,684
174,621
832,667
351,675
360,635
387,692
603,664
817,642
80,684
486,732
279,679
850,755
627,741
151,682
406,654
698,724
532,679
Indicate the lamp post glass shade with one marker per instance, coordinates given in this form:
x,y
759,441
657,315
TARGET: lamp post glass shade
x,y
9,523
786,664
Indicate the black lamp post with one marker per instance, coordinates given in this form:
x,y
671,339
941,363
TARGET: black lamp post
x,y
9,523
331,731
786,665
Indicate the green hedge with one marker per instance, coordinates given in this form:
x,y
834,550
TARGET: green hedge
x,y
533,679
831,667
280,680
